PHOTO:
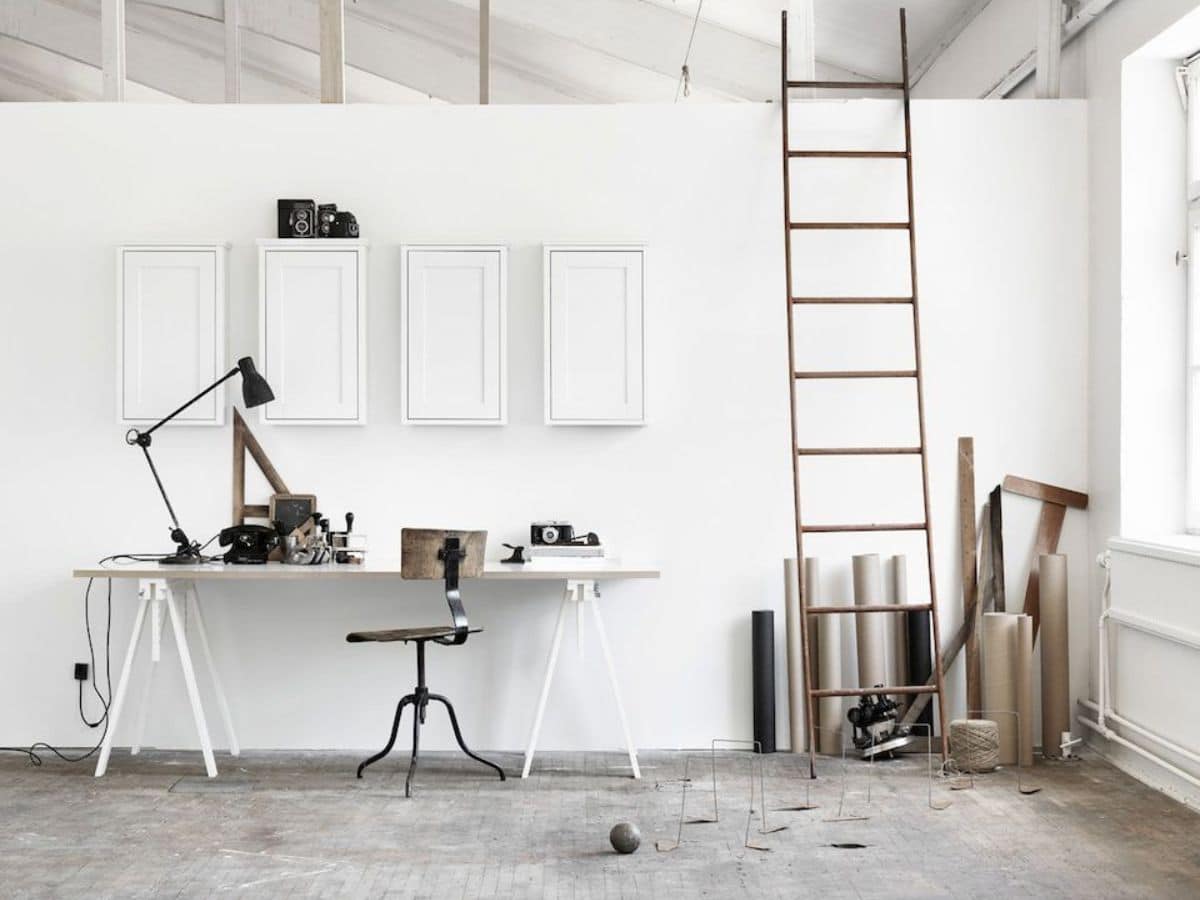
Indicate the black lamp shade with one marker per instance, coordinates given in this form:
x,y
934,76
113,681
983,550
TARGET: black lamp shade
x,y
255,390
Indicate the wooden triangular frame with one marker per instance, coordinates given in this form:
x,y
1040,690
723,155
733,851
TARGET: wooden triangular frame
x,y
243,440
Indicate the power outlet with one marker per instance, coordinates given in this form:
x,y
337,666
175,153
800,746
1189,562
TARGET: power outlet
x,y
81,671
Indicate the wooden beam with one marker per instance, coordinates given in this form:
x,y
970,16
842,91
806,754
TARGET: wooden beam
x,y
233,53
946,38
1084,16
1049,48
996,550
485,51
1049,493
802,41
332,20
970,574
1050,524
112,48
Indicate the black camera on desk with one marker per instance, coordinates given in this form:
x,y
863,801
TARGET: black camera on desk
x,y
559,534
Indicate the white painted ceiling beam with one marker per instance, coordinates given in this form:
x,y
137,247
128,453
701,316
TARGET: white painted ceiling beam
x,y
183,54
332,20
948,37
35,74
233,51
540,51
1083,17
485,51
1049,48
112,48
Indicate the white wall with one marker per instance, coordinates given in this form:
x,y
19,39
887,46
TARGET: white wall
x,y
703,489
1135,146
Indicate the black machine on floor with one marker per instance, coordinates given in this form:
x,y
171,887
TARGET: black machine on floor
x,y
876,734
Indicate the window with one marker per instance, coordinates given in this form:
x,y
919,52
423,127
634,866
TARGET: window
x,y
1192,80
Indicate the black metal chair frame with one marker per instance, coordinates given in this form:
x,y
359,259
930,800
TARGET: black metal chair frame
x,y
451,554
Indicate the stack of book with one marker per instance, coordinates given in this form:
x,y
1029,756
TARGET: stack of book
x,y
569,551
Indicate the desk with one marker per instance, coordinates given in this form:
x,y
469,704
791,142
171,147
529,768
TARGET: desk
x,y
167,588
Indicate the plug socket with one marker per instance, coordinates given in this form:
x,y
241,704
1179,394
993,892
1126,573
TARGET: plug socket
x,y
81,671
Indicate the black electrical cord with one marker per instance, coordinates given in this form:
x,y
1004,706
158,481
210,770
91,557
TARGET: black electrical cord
x,y
32,750
105,701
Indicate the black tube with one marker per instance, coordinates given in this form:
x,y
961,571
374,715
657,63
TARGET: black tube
x,y
762,640
920,658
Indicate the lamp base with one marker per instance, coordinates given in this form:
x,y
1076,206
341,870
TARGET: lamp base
x,y
188,556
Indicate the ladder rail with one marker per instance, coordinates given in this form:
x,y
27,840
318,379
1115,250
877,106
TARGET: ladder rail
x,y
936,684
939,675
810,724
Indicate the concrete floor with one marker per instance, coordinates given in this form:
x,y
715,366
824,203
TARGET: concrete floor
x,y
299,825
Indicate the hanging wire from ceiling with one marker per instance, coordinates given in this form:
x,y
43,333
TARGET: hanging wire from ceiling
x,y
685,77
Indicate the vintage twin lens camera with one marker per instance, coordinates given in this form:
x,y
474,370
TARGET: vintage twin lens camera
x,y
305,219
297,218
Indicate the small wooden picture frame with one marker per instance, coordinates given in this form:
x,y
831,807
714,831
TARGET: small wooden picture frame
x,y
292,510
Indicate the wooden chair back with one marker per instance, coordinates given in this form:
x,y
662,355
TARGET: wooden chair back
x,y
420,549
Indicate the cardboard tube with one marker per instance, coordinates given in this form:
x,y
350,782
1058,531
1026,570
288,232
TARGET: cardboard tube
x,y
795,659
1024,684
999,680
829,660
898,630
1056,673
868,627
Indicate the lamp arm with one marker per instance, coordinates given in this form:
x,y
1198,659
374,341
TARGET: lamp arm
x,y
163,491
212,387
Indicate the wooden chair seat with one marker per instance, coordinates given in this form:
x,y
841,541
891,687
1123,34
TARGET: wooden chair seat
x,y
404,634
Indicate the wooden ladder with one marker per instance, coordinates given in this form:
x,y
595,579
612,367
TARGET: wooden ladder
x,y
935,685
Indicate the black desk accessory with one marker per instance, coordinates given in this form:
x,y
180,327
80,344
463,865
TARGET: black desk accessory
x,y
255,392
518,554
248,544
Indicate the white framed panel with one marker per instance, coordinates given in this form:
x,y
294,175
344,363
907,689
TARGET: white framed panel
x,y
454,302
171,302
312,331
594,321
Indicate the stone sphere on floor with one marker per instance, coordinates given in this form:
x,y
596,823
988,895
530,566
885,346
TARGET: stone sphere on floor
x,y
625,837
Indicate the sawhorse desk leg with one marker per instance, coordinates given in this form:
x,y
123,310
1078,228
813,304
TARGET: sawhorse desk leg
x,y
578,592
153,595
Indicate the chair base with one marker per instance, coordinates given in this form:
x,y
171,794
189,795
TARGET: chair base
x,y
419,701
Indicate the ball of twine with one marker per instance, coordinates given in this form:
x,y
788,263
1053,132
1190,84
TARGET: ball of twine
x,y
975,744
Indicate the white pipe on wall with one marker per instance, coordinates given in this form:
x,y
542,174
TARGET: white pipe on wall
x,y
1103,708
1111,735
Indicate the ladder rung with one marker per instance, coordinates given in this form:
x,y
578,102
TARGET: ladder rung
x,y
871,608
848,226
860,692
831,529
848,154
850,85
858,300
857,451
860,373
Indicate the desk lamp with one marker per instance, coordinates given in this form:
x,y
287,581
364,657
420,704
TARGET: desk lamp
x,y
255,392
